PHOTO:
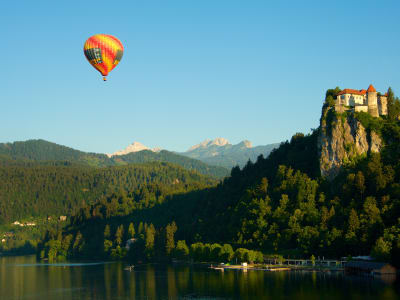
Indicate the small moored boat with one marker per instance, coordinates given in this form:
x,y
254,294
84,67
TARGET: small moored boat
x,y
129,268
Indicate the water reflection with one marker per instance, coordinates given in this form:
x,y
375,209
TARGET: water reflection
x,y
24,278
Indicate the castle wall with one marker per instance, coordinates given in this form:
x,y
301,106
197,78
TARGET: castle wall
x,y
344,99
356,100
351,99
359,108
382,105
372,101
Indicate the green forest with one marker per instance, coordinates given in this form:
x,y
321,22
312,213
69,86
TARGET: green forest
x,y
40,191
33,152
277,205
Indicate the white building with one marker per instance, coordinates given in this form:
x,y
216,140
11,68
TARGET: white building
x,y
362,100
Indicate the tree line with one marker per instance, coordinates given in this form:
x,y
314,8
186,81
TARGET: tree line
x,y
143,244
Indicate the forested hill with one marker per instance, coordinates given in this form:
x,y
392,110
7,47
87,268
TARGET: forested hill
x,y
39,191
41,150
279,204
25,153
167,156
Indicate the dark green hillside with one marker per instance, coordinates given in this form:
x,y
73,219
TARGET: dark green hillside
x,y
39,191
279,204
46,153
187,163
40,150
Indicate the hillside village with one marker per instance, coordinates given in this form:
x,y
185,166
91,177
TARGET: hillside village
x,y
369,101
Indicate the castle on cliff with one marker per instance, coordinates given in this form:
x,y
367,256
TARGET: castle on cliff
x,y
369,101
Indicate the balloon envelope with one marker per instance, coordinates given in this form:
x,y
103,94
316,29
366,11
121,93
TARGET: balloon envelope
x,y
104,52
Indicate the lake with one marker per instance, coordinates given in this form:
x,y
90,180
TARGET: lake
x,y
24,278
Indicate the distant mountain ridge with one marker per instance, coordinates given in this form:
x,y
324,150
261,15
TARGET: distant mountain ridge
x,y
220,152
40,151
208,143
210,157
134,147
217,152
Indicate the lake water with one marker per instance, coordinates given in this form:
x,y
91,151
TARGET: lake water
x,y
24,278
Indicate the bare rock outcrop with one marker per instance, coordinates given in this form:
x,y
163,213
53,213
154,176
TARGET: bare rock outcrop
x,y
342,138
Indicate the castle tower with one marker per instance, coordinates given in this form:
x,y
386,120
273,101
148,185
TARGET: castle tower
x,y
372,101
382,105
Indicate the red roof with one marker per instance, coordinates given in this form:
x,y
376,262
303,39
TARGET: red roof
x,y
371,88
351,91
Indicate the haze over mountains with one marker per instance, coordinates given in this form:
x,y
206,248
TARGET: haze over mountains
x,y
217,152
220,152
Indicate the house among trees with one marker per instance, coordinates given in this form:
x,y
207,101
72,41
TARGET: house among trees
x,y
369,267
369,101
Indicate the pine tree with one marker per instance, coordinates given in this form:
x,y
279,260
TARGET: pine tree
x,y
131,231
119,234
149,241
169,237
141,230
107,232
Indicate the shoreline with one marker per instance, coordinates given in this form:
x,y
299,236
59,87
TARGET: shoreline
x,y
275,268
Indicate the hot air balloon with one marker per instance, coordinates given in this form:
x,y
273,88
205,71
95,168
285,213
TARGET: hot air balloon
x,y
104,52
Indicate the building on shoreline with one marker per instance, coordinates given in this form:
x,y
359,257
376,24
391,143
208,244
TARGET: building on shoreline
x,y
369,101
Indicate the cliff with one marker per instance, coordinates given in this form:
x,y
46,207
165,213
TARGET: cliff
x,y
342,138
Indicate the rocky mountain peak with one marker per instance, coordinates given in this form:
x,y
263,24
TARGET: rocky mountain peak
x,y
220,142
134,147
246,144
207,143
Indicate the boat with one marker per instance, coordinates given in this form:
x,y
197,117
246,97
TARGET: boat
x,y
129,268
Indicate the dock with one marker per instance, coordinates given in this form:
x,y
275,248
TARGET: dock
x,y
246,268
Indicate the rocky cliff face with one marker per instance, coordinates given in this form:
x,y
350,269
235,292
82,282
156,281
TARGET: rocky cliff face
x,y
341,138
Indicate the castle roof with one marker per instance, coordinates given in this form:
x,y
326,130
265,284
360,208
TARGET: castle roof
x,y
354,92
371,88
358,92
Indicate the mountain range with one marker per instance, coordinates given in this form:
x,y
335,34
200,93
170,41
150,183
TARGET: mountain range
x,y
210,157
217,152
34,152
220,152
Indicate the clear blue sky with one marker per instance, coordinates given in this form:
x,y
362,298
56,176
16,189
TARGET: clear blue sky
x,y
191,70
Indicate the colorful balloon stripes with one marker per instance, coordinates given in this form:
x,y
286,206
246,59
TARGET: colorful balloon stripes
x,y
104,52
